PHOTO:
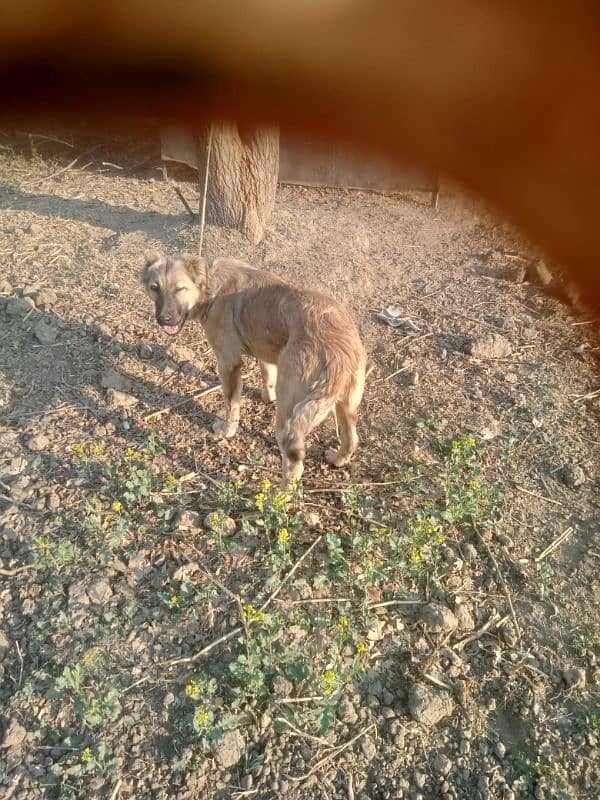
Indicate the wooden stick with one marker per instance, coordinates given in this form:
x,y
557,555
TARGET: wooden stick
x,y
539,496
336,751
493,620
502,582
192,396
52,174
318,739
553,545
10,573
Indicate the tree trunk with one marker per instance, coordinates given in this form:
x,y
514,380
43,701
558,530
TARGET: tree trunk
x,y
242,179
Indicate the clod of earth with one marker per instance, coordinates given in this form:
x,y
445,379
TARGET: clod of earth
x,y
575,678
229,749
346,712
573,476
112,379
38,442
492,345
442,764
119,399
45,298
14,736
45,333
19,306
438,618
464,617
100,592
429,706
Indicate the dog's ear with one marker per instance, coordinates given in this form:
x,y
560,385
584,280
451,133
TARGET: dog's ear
x,y
150,258
197,268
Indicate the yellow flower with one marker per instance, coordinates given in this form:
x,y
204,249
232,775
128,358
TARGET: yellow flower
x,y
362,648
415,554
328,681
171,482
131,453
252,615
86,755
474,485
201,717
265,485
280,502
343,622
193,690
89,658
97,450
173,601
79,449
151,421
117,506
259,501
283,536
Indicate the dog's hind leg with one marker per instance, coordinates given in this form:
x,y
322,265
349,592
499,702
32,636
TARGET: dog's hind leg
x,y
347,413
230,373
269,376
348,436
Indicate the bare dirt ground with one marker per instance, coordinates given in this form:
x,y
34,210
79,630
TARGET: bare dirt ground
x,y
172,628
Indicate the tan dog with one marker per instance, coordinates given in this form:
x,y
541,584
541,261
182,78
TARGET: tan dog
x,y
310,354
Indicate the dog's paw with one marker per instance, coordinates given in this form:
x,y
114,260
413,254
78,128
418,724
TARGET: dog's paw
x,y
333,457
268,395
224,430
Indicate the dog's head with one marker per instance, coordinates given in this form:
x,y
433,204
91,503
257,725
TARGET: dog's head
x,y
177,286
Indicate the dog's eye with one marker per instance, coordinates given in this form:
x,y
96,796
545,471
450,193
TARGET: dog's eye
x,y
181,289
154,288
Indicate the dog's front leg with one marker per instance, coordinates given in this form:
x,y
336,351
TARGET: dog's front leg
x,y
231,382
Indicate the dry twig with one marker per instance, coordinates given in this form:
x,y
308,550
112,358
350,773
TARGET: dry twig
x,y
554,544
502,582
336,751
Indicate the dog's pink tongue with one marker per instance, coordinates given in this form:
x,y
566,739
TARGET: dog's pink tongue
x,y
171,329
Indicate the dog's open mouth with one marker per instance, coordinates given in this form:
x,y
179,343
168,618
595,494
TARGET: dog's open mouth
x,y
172,330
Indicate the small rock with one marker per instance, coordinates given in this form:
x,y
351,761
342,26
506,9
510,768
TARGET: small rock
x,y
312,519
30,290
282,687
4,645
500,750
119,399
464,617
492,345
78,596
45,333
5,287
52,501
438,618
508,634
34,229
189,520
45,298
346,712
145,349
112,379
19,306
37,443
575,678
573,476
229,749
100,592
442,764
427,705
14,736
469,553
368,747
